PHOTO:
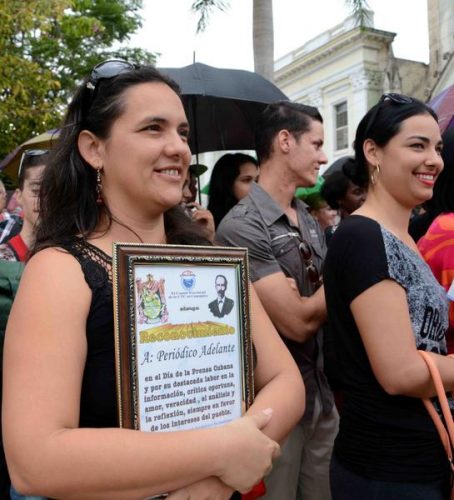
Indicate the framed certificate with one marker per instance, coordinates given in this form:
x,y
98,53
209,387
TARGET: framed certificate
x,y
182,336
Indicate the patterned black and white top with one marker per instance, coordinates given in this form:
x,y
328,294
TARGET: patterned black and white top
x,y
382,437
426,299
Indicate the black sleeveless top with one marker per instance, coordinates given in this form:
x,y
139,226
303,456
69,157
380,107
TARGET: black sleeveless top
x,y
98,404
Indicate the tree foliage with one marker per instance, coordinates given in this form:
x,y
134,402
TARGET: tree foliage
x,y
46,47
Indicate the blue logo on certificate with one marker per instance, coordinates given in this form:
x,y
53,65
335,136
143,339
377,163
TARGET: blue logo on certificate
x,y
187,280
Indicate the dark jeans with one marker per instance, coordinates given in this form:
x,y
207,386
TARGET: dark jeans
x,y
346,485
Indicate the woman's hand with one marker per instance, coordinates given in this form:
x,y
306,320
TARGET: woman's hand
x,y
247,458
203,217
247,453
208,489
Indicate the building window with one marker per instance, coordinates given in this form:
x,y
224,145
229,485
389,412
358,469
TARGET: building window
x,y
341,125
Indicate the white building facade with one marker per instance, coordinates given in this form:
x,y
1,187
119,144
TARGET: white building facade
x,y
343,72
441,43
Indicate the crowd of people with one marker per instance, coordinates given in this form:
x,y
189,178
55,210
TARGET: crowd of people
x,y
341,297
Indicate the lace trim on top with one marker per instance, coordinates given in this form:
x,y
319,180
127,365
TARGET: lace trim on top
x,y
96,264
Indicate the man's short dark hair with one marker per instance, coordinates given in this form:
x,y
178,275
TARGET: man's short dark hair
x,y
282,115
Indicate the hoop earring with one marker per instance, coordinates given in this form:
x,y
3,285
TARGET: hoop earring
x,y
375,173
99,199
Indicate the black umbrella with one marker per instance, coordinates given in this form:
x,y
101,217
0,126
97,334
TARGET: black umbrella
x,y
222,105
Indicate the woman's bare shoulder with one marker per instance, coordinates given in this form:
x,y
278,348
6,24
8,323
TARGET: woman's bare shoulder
x,y
53,267
52,256
54,292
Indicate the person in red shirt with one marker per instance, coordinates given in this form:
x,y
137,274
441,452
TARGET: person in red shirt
x,y
437,245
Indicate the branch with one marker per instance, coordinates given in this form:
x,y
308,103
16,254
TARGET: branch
x,y
204,8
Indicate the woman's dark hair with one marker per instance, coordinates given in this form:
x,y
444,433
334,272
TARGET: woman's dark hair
x,y
68,187
381,123
224,173
292,116
335,188
443,194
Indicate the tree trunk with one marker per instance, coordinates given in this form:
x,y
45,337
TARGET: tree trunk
x,y
263,38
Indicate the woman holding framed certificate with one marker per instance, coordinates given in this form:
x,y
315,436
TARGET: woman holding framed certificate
x,y
115,176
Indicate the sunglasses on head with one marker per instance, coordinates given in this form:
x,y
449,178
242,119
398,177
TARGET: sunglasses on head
x,y
389,96
28,153
106,70
396,98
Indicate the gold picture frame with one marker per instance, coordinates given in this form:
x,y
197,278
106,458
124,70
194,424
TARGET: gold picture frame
x,y
183,349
